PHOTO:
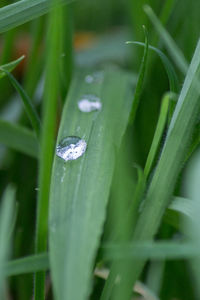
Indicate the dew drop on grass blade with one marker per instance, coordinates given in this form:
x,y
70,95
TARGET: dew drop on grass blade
x,y
71,148
89,103
80,188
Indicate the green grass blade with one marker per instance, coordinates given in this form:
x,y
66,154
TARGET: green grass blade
x,y
47,139
169,165
160,250
18,138
27,264
172,76
179,210
164,16
8,46
173,49
158,134
80,188
24,11
29,108
10,66
182,205
6,214
140,81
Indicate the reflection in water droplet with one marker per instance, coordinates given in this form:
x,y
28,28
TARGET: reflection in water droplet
x,y
96,77
71,148
89,103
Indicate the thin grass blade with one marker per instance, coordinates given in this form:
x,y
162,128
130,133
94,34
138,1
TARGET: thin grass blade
x,y
29,108
173,49
10,66
172,76
160,250
140,81
6,214
29,264
162,120
51,93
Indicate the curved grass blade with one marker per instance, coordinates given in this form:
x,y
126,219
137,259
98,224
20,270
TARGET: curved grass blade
x,y
172,76
173,49
158,134
182,205
24,11
29,264
80,188
6,214
168,168
179,210
140,81
29,108
18,138
10,66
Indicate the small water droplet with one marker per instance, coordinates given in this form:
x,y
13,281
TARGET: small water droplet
x,y
89,103
96,77
71,148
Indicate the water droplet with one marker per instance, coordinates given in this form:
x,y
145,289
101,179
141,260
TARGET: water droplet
x,y
89,103
71,148
96,77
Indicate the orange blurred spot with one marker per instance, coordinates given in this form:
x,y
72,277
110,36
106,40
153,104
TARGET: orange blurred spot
x,y
84,40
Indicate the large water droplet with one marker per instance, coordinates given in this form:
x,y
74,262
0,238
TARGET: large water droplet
x,y
71,148
96,77
89,103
